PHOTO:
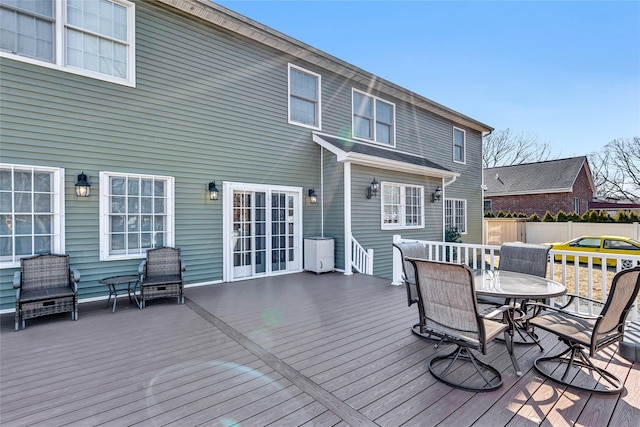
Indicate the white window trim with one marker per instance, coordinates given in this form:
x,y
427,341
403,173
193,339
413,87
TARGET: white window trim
x,y
464,147
60,48
464,201
293,122
375,118
104,214
58,234
403,207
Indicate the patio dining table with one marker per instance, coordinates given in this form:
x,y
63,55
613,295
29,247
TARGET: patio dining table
x,y
515,286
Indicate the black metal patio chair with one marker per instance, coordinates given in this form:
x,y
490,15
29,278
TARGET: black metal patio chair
x,y
447,293
573,367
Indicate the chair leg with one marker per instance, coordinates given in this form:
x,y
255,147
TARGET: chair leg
x,y
573,367
490,375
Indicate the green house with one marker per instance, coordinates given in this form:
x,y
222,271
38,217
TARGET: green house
x,y
156,102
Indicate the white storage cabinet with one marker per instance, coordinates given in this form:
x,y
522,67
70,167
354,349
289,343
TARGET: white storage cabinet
x,y
319,254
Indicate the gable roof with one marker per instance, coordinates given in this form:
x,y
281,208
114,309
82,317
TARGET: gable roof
x,y
239,24
348,150
552,176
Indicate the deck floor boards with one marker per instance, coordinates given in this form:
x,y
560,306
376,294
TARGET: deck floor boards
x,y
294,350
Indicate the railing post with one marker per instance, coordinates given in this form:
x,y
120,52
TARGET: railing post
x,y
369,261
396,278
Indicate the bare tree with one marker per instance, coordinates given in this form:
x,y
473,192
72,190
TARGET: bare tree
x,y
616,169
505,148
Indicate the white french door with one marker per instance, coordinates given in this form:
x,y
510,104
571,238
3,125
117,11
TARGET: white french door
x,y
262,230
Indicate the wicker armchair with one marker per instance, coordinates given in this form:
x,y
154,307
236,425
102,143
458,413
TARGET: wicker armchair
x,y
573,367
447,292
161,275
45,284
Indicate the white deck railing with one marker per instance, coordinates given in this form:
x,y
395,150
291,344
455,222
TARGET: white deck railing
x,y
585,278
361,259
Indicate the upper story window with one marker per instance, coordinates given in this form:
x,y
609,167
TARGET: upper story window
x,y
455,214
94,38
304,97
373,118
136,214
459,145
31,212
402,206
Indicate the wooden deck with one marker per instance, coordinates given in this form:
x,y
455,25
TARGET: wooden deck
x,y
296,350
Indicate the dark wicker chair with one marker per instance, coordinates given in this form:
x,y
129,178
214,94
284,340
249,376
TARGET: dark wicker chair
x,y
573,367
45,284
447,293
161,275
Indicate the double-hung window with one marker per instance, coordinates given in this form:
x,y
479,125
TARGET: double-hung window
x,y
136,214
31,212
402,206
95,38
459,145
304,97
373,118
455,214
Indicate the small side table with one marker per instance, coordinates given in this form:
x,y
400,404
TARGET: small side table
x,y
131,280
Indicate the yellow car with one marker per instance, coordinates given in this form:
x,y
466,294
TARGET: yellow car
x,y
614,245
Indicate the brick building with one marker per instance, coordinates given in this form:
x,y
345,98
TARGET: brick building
x,y
554,185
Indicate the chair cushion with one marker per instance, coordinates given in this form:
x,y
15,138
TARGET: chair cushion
x,y
46,293
569,327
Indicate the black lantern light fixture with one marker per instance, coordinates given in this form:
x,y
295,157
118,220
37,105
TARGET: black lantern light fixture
x,y
83,188
313,197
372,190
213,191
437,194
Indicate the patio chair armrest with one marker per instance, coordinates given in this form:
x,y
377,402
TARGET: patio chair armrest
x,y
499,311
562,310
75,275
17,278
142,267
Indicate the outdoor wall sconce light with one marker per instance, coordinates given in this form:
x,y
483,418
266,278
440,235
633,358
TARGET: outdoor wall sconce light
x,y
213,191
372,190
313,197
83,188
436,194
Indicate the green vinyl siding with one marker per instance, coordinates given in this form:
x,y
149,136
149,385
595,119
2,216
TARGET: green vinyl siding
x,y
209,105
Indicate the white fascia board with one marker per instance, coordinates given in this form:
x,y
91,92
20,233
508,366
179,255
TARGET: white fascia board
x,y
529,192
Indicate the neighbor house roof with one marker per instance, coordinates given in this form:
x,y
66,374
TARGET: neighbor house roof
x,y
239,24
348,150
552,176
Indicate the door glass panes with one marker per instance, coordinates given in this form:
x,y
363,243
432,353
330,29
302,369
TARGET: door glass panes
x,y
242,222
264,235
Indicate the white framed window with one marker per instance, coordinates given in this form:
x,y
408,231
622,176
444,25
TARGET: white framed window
x,y
94,38
455,214
402,206
373,118
576,205
304,97
459,145
136,214
31,212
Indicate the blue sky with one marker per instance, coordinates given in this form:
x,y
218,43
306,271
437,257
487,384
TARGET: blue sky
x,y
567,72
